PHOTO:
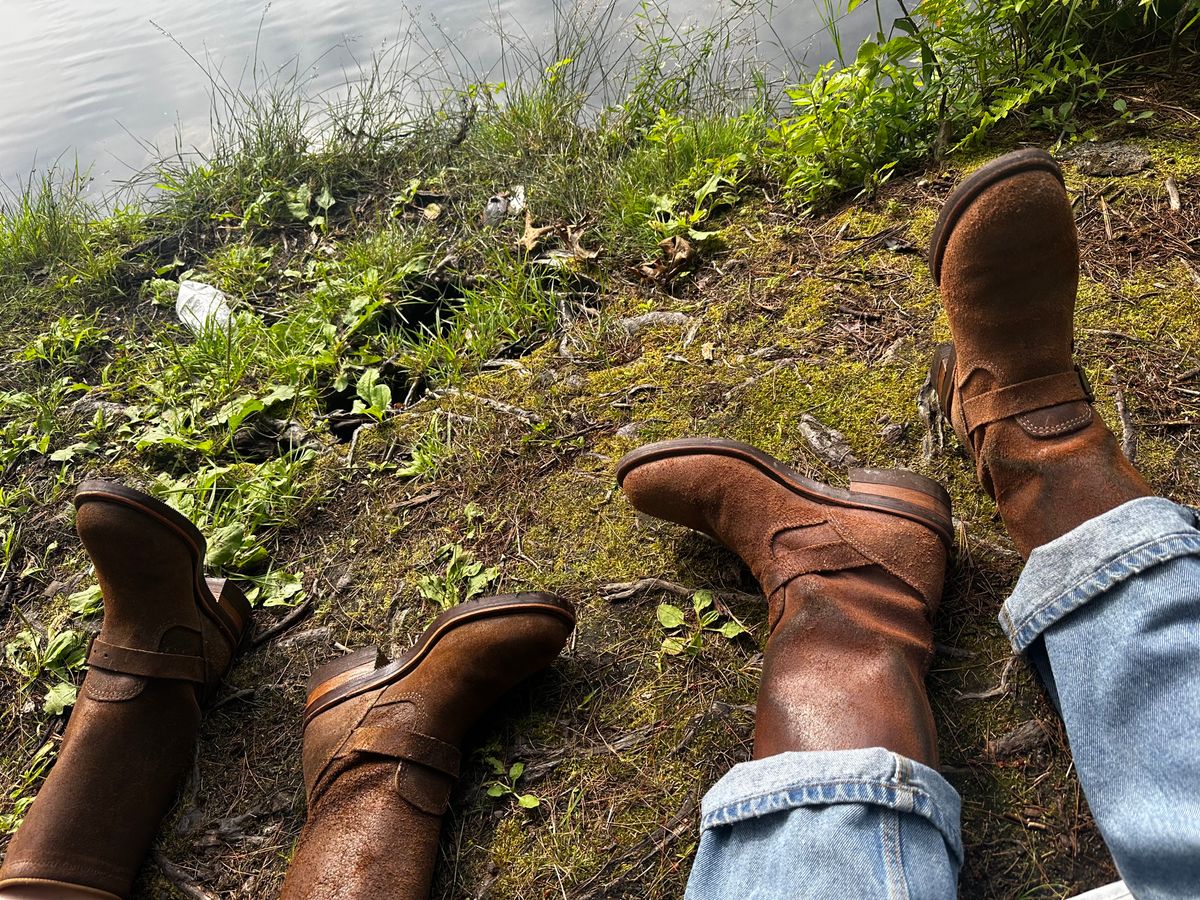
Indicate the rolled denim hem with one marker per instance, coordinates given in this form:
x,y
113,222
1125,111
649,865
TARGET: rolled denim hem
x,y
873,776
1071,570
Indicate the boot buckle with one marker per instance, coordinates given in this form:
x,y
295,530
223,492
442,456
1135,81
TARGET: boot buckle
x,y
1088,393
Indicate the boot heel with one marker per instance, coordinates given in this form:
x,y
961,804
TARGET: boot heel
x,y
912,495
229,598
343,670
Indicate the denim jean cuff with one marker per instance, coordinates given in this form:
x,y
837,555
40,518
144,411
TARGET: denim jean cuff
x,y
1063,575
873,776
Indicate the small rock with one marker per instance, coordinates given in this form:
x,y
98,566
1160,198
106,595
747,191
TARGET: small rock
x,y
1109,159
892,434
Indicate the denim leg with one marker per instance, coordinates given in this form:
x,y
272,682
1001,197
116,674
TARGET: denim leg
x,y
1113,610
865,824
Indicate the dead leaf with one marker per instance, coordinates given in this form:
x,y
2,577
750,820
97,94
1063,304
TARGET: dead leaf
x,y
678,254
532,238
577,249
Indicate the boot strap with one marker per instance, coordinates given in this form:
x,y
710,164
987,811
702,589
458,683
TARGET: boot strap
x,y
146,663
428,791
1026,397
833,556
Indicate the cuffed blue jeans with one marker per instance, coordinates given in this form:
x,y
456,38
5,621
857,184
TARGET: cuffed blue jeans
x,y
1110,614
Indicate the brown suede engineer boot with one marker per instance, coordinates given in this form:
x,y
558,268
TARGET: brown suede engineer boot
x,y
381,743
167,639
852,578
1005,256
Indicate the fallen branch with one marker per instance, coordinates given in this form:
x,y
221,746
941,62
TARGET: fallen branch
x,y
993,693
497,405
623,590
180,878
296,615
1128,432
1173,194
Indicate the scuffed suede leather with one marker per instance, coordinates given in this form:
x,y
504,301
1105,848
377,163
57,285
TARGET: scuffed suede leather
x,y
365,837
130,739
851,593
1009,276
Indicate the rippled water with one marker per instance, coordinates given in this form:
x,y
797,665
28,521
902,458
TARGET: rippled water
x,y
111,83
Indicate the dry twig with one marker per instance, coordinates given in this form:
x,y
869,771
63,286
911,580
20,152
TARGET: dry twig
x,y
180,878
1128,432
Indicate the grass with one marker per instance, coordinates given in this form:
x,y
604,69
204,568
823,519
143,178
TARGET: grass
x,y
417,402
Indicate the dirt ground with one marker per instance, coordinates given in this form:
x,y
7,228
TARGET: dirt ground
x,y
831,318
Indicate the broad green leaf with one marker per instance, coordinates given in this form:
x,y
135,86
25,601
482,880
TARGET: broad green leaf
x,y
298,202
236,410
325,199
374,396
673,646
528,801
60,697
224,545
279,588
517,770
86,602
496,790
732,629
65,650
279,393
701,601
670,616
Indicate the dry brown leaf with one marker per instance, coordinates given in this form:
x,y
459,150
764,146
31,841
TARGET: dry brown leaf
x,y
532,238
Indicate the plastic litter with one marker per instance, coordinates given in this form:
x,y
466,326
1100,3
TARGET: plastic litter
x,y
200,306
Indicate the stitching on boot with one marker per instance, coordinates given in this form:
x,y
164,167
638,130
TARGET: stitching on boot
x,y
1061,428
115,694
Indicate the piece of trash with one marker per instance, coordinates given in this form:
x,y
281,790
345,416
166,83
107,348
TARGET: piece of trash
x,y
200,306
516,203
496,209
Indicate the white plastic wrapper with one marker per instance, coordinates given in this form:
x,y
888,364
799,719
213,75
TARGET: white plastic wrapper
x,y
201,306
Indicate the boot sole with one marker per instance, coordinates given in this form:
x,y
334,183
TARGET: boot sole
x,y
219,598
1015,163
368,669
895,491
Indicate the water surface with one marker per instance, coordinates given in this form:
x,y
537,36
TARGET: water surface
x,y
113,84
